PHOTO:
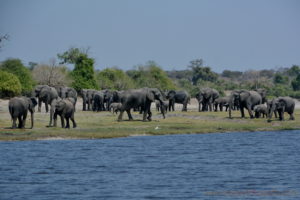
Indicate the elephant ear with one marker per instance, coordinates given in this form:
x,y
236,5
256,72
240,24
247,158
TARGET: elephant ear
x,y
150,95
281,103
33,101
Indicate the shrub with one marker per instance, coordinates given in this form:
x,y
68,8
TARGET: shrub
x,y
9,84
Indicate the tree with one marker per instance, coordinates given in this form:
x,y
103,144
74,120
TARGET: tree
x,y
83,73
296,83
231,74
201,73
294,71
16,67
51,74
9,84
113,78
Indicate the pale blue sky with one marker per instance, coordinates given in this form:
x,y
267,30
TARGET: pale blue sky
x,y
226,34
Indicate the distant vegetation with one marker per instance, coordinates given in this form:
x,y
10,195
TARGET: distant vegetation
x,y
15,78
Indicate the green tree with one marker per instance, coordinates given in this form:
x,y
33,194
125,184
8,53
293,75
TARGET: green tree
x,y
296,83
113,78
16,67
280,79
9,84
83,74
294,71
202,73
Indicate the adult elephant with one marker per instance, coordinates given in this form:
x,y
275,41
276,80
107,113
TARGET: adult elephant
x,y
140,98
207,97
87,98
67,92
263,94
181,97
45,94
281,105
98,101
18,108
246,99
108,95
65,109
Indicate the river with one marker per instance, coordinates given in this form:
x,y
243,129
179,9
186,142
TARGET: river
x,y
255,165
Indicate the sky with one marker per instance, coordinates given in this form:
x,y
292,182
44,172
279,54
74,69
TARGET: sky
x,y
227,34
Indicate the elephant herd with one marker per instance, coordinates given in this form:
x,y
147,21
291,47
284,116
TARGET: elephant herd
x,y
62,102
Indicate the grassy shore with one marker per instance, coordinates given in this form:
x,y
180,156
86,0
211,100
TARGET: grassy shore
x,y
93,125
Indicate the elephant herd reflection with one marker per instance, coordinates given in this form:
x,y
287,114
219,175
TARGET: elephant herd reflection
x,y
62,102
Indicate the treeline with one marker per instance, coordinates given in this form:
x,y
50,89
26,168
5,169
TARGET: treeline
x,y
17,79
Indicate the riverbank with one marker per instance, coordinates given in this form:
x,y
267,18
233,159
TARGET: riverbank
x,y
100,125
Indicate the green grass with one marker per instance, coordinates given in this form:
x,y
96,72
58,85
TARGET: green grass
x,y
104,125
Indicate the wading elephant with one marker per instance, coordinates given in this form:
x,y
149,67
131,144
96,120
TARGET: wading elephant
x,y
65,109
18,108
181,97
246,99
281,105
260,110
207,97
139,98
45,94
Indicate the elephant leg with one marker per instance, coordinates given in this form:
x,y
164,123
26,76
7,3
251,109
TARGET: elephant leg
x,y
55,120
199,108
20,122
24,120
14,124
46,105
242,112
40,105
149,115
83,105
292,116
249,111
120,115
73,121
129,115
62,121
67,122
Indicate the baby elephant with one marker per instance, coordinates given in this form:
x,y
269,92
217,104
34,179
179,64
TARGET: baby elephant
x,y
18,108
115,107
260,110
65,109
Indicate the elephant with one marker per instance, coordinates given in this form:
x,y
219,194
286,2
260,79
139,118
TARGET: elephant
x,y
165,105
65,109
259,110
65,92
139,98
117,96
18,108
263,94
246,99
281,105
221,101
98,101
115,107
206,97
87,98
107,99
181,97
45,94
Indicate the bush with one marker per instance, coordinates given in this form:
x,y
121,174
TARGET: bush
x,y
9,84
16,67
152,76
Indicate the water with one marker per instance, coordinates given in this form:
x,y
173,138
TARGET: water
x,y
260,165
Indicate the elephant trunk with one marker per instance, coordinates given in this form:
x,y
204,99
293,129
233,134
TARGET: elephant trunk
x,y
230,106
32,119
271,110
